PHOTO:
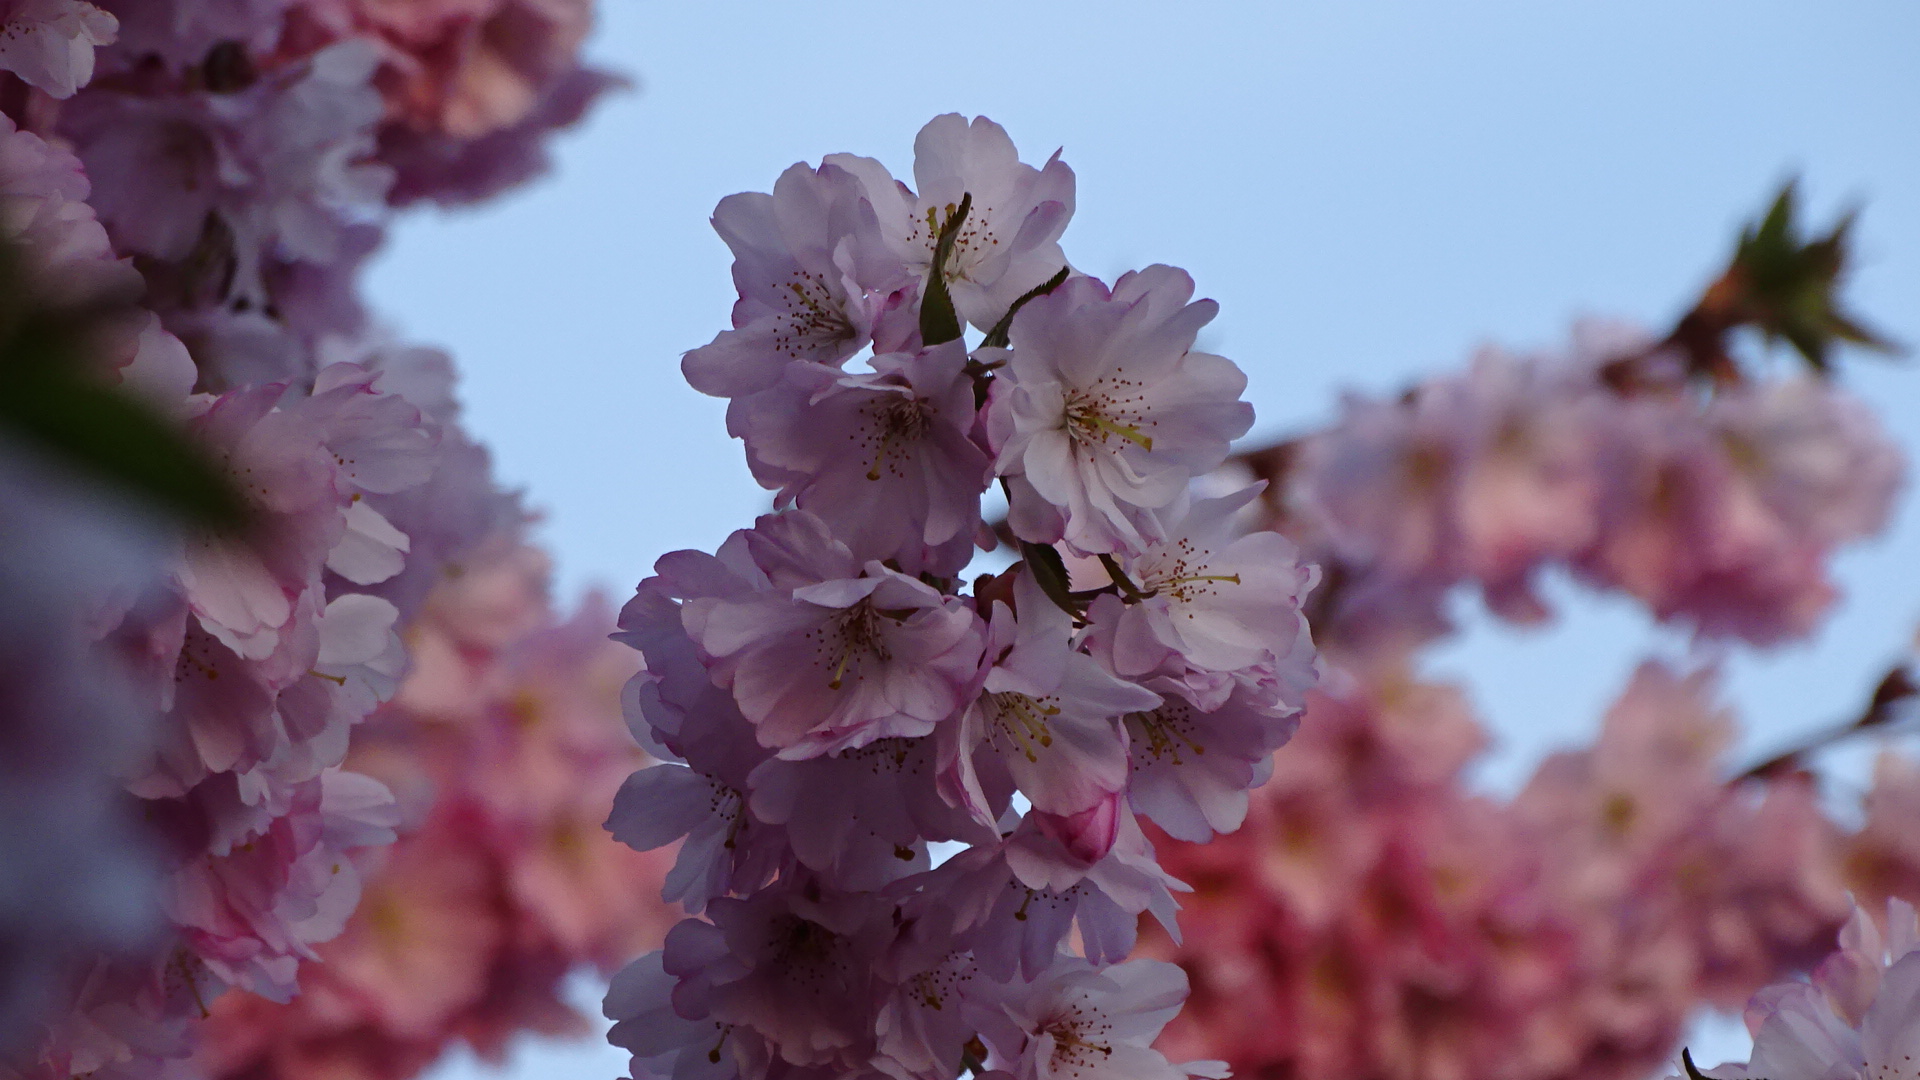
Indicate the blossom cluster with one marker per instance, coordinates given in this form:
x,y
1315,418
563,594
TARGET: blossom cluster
x,y
253,656
1375,917
1717,510
832,700
70,729
505,746
80,879
213,175
1855,1017
916,775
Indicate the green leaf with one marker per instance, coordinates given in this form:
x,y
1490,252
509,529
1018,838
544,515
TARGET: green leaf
x,y
1787,286
1003,330
1049,572
938,321
52,399
1120,579
118,439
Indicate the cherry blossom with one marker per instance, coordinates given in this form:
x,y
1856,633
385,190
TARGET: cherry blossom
x,y
914,807
240,154
828,655
884,459
1080,1022
280,166
71,261
1047,720
82,882
1192,768
50,43
1009,242
906,809
1857,1016
1105,410
1213,602
1719,512
470,923
472,89
816,282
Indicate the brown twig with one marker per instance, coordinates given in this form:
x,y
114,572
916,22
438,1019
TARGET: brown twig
x,y
1895,688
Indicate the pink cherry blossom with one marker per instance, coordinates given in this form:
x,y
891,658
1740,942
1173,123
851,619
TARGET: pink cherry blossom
x,y
884,459
82,880
1192,768
860,818
1884,855
454,170
71,262
817,282
234,150
281,167
1858,1018
845,708
1013,904
1009,243
1104,408
507,740
829,655
180,33
1086,1022
1213,602
674,709
792,968
472,88
1646,780
648,1025
50,43
1719,513
1046,721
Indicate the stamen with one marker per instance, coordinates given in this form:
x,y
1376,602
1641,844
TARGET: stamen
x,y
1090,418
1234,578
1023,720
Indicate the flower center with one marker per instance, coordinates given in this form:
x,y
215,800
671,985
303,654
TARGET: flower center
x,y
975,240
1165,733
847,641
1047,898
814,321
896,424
1080,1040
1021,720
1111,407
932,988
884,755
809,955
725,803
1180,572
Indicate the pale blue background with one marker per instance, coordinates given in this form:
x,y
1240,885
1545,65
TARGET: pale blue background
x,y
1370,189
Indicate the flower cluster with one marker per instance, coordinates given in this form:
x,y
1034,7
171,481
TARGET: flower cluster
x,y
49,44
506,745
245,152
79,878
833,702
1375,918
1717,510
1882,858
208,178
1856,1017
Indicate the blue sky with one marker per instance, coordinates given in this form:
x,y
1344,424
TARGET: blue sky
x,y
1370,189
